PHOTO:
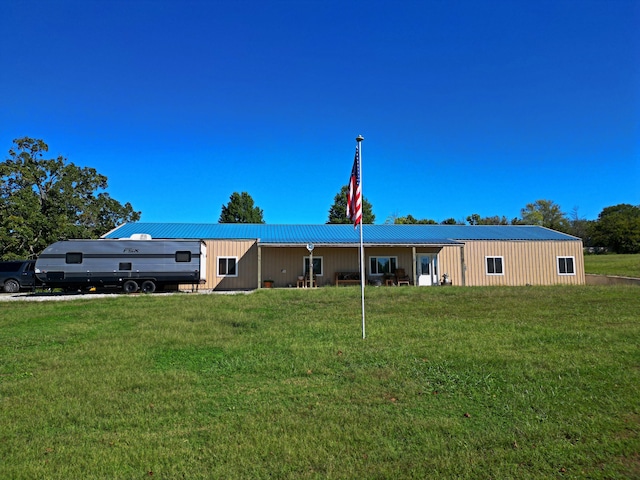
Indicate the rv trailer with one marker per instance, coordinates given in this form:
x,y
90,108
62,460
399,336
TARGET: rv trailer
x,y
130,265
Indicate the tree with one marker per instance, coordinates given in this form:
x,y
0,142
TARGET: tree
x,y
618,228
411,220
338,211
580,227
240,209
476,219
451,221
45,200
546,214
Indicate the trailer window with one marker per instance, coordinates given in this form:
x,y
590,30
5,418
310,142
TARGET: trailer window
x,y
74,257
124,266
183,256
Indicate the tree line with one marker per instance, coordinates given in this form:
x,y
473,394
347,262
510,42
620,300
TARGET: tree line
x,y
617,228
44,200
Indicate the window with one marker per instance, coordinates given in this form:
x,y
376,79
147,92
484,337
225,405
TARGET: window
x,y
227,266
494,266
566,266
124,266
183,257
317,265
10,266
382,265
73,257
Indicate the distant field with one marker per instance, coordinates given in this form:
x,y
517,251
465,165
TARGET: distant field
x,y
467,383
622,265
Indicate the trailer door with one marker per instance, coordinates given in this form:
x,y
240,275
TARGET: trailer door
x,y
203,262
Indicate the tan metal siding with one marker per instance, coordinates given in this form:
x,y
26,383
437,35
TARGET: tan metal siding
x,y
450,263
346,259
283,265
524,262
246,252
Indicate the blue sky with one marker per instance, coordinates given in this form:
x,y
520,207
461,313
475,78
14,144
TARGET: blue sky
x,y
466,106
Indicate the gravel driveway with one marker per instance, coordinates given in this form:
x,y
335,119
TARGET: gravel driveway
x,y
56,296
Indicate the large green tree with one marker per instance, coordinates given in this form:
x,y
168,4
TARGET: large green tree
x,y
43,200
476,219
411,220
451,221
240,209
338,211
618,228
546,214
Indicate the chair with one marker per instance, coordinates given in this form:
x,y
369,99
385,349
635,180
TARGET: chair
x,y
303,281
401,277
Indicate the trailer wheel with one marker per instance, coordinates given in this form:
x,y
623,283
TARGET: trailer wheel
x,y
130,286
11,286
148,286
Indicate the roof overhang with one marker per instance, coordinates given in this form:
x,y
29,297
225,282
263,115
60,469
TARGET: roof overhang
x,y
365,244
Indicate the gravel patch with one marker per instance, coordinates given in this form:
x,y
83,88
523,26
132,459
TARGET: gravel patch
x,y
57,296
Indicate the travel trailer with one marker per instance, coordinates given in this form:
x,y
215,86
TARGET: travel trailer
x,y
133,264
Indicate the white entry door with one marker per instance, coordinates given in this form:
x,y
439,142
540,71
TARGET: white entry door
x,y
427,269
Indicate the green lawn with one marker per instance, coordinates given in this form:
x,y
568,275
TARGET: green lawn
x,y
531,382
622,265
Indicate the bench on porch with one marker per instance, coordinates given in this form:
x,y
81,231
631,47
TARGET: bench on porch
x,y
347,278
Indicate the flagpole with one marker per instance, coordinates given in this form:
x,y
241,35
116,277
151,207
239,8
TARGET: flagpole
x,y
359,139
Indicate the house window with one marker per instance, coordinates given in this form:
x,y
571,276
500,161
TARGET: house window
x,y
494,266
566,266
227,266
183,257
382,265
73,257
317,266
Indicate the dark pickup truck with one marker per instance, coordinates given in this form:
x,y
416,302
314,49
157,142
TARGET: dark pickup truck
x,y
17,275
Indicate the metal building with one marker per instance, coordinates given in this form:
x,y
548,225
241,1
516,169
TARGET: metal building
x,y
243,256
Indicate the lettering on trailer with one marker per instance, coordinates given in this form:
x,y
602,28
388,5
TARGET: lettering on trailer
x,y
130,250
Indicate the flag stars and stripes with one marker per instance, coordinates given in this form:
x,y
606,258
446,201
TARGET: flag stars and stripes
x,y
354,195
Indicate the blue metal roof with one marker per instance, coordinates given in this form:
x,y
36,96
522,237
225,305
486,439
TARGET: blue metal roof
x,y
340,234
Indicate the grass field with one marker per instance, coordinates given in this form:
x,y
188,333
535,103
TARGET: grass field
x,y
622,265
531,382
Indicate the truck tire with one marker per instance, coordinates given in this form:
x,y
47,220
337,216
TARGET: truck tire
x,y
130,286
148,286
11,286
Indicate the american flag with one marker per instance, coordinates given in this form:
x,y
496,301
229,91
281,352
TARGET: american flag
x,y
354,197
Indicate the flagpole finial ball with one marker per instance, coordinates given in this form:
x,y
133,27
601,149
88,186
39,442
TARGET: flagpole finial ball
x,y
359,138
